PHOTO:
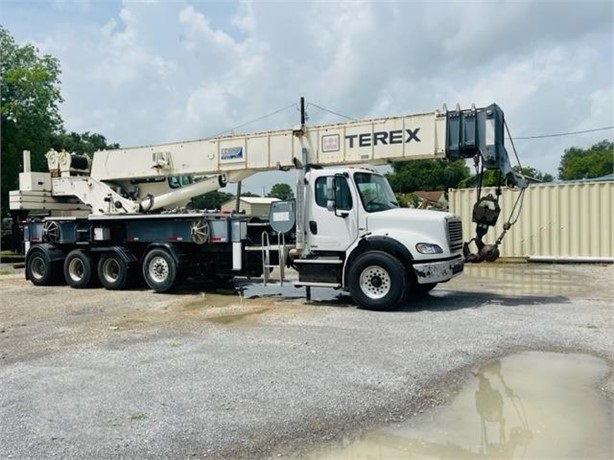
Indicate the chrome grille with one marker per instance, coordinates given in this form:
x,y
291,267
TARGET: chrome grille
x,y
455,234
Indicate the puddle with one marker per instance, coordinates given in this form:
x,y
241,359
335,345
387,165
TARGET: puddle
x,y
234,317
527,279
241,289
512,280
529,405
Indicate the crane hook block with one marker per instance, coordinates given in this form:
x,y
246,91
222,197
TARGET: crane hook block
x,y
486,211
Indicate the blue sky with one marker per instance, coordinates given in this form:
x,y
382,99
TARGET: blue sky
x,y
157,71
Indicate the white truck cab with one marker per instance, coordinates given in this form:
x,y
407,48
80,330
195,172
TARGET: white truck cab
x,y
358,238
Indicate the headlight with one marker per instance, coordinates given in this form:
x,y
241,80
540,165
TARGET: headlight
x,y
427,248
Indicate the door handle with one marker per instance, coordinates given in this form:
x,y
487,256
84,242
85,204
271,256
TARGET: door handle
x,y
313,227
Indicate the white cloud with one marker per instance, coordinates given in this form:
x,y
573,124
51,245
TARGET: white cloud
x,y
244,20
198,24
148,72
602,109
125,57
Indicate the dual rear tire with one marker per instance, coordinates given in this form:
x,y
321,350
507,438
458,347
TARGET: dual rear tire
x,y
80,269
41,270
115,273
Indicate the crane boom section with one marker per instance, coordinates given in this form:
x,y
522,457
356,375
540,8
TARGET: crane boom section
x,y
375,141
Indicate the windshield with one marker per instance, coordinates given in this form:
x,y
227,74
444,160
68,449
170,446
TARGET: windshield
x,y
375,192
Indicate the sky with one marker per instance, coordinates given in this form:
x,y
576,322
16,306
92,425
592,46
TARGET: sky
x,y
150,72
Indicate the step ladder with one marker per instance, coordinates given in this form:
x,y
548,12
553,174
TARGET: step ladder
x,y
282,252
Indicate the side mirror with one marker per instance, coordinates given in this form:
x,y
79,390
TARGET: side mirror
x,y
330,194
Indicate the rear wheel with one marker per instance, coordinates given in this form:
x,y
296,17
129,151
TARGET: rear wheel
x,y
39,268
377,281
79,270
160,270
113,272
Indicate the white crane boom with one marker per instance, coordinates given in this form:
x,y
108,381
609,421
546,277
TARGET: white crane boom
x,y
140,179
366,141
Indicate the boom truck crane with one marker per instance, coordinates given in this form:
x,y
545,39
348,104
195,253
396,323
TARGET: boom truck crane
x,y
344,231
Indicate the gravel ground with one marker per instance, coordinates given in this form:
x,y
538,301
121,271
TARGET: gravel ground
x,y
211,373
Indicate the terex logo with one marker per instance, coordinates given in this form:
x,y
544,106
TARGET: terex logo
x,y
383,137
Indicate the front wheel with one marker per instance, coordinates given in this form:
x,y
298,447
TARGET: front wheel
x,y
377,281
160,270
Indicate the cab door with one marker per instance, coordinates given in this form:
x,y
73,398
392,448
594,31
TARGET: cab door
x,y
332,230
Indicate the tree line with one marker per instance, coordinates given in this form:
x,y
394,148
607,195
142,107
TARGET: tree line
x,y
30,117
431,175
30,120
215,199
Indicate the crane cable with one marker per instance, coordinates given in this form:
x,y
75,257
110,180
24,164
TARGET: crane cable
x,y
512,219
486,211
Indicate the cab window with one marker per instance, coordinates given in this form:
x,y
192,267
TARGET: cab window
x,y
179,181
343,196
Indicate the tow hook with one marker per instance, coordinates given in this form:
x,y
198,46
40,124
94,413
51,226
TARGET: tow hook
x,y
486,252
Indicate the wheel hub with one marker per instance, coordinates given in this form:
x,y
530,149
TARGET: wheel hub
x,y
111,270
159,269
38,268
76,269
375,282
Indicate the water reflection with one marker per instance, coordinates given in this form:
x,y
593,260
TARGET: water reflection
x,y
489,405
530,405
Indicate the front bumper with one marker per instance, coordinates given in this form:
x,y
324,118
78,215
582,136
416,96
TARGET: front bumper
x,y
439,272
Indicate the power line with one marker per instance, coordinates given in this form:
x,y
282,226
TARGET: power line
x,y
570,133
542,136
255,120
324,109
330,111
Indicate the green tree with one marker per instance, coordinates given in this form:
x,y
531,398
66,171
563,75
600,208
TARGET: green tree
x,y
30,118
30,95
281,191
211,200
250,194
532,173
491,177
80,143
596,161
409,176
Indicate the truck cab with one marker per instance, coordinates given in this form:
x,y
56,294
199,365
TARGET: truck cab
x,y
358,238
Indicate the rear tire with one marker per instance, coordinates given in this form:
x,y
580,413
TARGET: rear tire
x,y
79,270
39,268
160,270
113,272
377,281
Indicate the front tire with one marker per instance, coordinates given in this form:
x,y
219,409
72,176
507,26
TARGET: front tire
x,y
160,270
79,270
377,281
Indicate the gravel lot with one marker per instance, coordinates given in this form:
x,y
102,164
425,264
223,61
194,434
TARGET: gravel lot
x,y
212,373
